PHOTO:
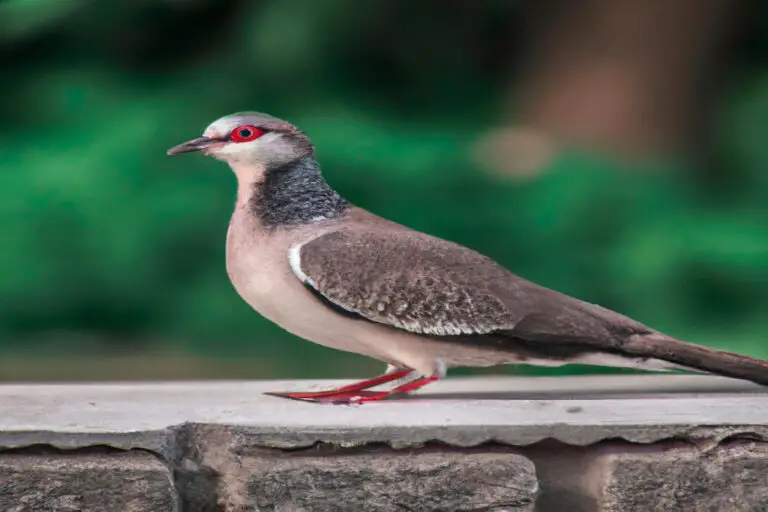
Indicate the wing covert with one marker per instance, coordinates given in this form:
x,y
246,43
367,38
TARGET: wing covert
x,y
407,280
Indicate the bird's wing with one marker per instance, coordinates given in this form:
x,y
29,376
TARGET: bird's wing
x,y
438,289
430,286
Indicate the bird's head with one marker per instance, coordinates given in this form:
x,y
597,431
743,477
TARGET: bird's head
x,y
249,138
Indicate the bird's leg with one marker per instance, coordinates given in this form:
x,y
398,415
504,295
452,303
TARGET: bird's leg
x,y
344,393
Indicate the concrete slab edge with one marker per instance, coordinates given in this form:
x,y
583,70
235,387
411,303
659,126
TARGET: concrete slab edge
x,y
164,442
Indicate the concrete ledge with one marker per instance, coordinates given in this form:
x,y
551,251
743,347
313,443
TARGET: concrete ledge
x,y
595,443
458,412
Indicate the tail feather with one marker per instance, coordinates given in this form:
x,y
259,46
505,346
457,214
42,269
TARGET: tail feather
x,y
696,357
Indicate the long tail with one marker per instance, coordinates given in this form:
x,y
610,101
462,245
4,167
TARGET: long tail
x,y
696,357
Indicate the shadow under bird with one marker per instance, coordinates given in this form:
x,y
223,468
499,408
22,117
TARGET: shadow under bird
x,y
335,274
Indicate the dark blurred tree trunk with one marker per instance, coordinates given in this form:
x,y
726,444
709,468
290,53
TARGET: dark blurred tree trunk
x,y
633,77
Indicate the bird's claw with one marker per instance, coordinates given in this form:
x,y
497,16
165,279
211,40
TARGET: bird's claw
x,y
332,397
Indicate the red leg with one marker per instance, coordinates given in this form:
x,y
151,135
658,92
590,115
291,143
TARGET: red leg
x,y
403,388
343,393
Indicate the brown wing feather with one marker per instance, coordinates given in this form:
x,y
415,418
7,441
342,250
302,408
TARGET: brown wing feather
x,y
431,286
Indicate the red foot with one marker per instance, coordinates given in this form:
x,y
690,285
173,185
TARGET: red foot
x,y
348,397
343,394
373,396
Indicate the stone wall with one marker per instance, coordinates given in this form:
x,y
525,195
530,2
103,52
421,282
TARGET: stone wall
x,y
607,443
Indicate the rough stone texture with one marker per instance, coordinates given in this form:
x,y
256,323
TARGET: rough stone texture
x,y
220,462
732,477
387,481
109,482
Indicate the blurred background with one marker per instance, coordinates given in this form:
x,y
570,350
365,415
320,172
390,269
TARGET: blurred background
x,y
615,151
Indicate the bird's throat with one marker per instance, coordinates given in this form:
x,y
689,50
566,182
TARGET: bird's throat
x,y
294,193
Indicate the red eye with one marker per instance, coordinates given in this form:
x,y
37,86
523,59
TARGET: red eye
x,y
246,133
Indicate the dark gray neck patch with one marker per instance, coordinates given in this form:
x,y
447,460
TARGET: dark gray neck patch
x,y
295,193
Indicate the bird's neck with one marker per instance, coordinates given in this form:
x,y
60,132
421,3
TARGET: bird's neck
x,y
292,194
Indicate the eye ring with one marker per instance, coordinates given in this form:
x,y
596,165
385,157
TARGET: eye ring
x,y
246,133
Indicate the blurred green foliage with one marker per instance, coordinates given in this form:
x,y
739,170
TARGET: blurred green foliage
x,y
109,244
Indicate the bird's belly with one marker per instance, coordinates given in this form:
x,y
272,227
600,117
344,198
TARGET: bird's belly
x,y
279,296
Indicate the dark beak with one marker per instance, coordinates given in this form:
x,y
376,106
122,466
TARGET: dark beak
x,y
197,144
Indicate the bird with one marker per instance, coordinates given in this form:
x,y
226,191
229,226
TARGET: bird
x,y
338,275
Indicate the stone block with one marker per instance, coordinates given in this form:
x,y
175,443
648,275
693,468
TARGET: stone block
x,y
732,477
74,482
394,481
364,479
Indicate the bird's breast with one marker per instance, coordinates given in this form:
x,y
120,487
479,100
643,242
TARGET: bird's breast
x,y
254,263
257,265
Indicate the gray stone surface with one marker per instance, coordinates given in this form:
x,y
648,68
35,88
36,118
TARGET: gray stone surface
x,y
383,481
49,482
732,477
219,462
458,412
